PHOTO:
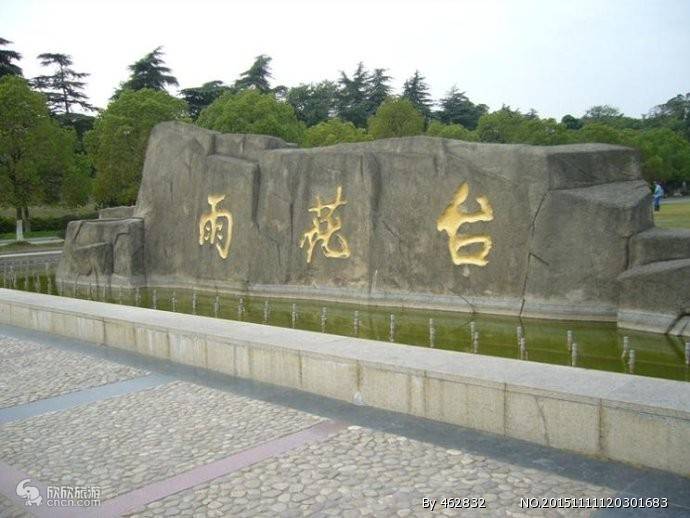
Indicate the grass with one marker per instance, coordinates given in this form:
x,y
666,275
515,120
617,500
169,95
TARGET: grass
x,y
38,233
673,215
49,211
24,246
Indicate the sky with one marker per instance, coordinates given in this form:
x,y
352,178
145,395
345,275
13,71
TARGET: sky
x,y
558,57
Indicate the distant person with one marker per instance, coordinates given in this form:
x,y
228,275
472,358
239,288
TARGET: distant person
x,y
658,195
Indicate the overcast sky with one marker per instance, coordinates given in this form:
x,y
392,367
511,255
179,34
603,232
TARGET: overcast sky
x,y
555,56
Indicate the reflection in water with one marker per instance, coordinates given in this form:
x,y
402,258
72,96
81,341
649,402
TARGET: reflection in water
x,y
590,345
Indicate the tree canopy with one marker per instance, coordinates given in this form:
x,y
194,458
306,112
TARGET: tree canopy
x,y
416,90
7,67
396,117
257,76
117,143
149,72
250,111
456,108
333,131
38,163
63,89
200,97
313,103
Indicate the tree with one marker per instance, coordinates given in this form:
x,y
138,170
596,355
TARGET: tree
x,y
37,157
200,97
353,96
117,143
674,114
148,72
396,118
378,89
452,131
250,111
333,131
416,91
257,76
499,126
571,122
313,103
63,89
602,112
456,108
665,155
6,59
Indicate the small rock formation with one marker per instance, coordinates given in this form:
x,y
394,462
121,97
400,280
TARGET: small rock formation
x,y
554,232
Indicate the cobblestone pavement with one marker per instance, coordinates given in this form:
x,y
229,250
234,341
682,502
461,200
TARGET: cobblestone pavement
x,y
361,472
31,371
8,510
136,447
122,443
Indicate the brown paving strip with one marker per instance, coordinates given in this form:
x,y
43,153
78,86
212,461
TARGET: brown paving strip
x,y
128,502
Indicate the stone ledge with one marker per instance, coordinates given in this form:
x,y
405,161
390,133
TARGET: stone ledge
x,y
590,412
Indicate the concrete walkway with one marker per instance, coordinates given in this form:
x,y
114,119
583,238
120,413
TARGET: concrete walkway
x,y
159,439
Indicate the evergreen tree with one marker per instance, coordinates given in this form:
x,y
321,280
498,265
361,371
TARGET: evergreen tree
x,y
257,76
202,96
456,108
313,103
149,72
353,96
6,58
416,90
378,90
63,89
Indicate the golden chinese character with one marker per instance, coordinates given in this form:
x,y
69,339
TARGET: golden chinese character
x,y
325,227
212,228
454,217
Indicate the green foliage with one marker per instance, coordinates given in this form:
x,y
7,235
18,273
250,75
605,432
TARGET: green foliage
x,y
416,90
313,103
45,223
571,122
500,126
251,111
378,89
456,108
353,100
64,88
200,97
333,131
37,157
665,155
453,131
149,72
396,118
257,76
117,143
7,68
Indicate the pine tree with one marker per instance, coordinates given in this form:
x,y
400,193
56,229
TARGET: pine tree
x,y
456,108
313,103
257,76
63,89
416,91
378,89
149,72
6,57
353,99
200,97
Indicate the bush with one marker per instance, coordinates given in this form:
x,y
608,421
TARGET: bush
x,y
333,131
396,118
454,131
251,111
56,223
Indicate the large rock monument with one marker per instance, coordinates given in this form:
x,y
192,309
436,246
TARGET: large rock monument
x,y
555,232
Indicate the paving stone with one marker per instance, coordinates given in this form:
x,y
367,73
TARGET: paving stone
x,y
31,371
142,437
